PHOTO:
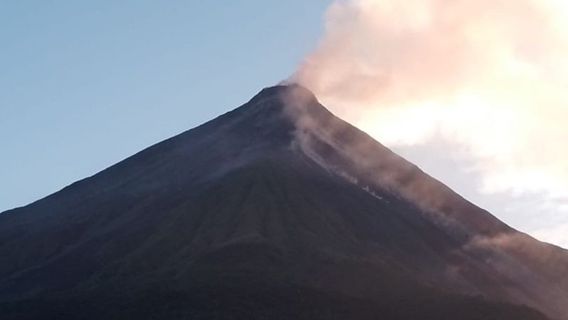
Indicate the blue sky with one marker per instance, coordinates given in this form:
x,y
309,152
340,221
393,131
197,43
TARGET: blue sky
x,y
87,83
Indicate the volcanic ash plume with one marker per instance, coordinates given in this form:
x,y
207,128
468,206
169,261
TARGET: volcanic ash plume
x,y
489,76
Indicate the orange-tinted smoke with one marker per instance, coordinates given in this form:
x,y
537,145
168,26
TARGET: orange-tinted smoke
x,y
491,75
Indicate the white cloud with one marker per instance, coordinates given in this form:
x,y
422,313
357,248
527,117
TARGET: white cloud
x,y
489,76
557,234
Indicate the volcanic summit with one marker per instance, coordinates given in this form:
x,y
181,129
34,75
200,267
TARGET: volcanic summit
x,y
275,210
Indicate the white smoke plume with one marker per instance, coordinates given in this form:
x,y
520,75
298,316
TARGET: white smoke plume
x,y
489,76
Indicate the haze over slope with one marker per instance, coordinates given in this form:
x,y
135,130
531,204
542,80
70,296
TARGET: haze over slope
x,y
276,209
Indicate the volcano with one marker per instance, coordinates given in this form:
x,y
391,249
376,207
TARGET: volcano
x,y
275,210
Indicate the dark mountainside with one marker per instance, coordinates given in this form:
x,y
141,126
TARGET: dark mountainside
x,y
276,210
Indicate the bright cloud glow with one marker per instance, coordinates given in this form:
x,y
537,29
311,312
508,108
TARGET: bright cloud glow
x,y
490,76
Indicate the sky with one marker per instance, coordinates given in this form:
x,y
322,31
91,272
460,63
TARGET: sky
x,y
87,84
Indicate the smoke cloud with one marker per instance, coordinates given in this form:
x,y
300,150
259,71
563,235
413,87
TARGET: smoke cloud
x,y
489,76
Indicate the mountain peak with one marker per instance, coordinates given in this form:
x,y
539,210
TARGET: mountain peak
x,y
285,92
292,98
275,114
272,210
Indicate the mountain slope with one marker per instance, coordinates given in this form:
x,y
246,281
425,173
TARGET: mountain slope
x,y
276,209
